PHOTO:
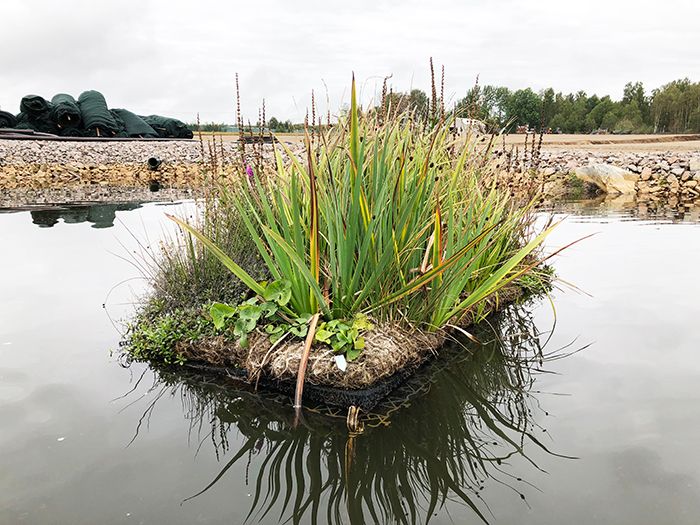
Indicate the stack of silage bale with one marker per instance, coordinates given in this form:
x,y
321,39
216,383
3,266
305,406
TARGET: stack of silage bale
x,y
89,116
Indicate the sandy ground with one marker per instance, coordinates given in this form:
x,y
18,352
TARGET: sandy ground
x,y
611,143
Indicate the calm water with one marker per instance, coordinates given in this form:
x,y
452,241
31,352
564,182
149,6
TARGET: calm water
x,y
512,432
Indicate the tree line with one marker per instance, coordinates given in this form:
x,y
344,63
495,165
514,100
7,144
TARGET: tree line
x,y
672,108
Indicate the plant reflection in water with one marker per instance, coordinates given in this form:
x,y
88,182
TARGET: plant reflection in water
x,y
442,436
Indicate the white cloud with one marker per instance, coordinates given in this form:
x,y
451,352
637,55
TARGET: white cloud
x,y
179,57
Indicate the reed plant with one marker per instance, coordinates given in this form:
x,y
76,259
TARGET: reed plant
x,y
383,217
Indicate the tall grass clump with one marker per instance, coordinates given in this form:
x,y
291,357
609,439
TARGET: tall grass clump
x,y
185,274
384,218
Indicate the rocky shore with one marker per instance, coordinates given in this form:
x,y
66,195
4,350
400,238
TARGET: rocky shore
x,y
131,153
36,164
648,176
88,168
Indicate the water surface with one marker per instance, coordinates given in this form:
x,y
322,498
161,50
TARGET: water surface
x,y
489,431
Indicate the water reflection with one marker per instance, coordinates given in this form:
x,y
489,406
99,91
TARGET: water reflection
x,y
446,434
623,207
100,215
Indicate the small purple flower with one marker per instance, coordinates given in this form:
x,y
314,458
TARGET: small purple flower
x,y
249,171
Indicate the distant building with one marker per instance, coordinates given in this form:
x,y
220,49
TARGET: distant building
x,y
466,125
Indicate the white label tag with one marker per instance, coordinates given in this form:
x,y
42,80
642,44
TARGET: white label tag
x,y
341,362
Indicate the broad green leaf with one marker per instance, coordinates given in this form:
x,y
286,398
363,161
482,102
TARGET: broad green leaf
x,y
338,346
250,312
353,354
274,329
278,291
269,309
300,330
303,319
219,312
323,336
243,326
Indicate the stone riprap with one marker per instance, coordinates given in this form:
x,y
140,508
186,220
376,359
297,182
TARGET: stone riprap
x,y
37,164
21,152
653,175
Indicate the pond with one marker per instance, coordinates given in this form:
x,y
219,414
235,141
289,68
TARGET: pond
x,y
585,413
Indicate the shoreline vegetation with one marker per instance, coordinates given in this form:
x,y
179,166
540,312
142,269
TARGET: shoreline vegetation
x,y
348,265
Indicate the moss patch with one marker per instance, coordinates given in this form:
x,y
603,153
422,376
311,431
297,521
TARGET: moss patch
x,y
576,188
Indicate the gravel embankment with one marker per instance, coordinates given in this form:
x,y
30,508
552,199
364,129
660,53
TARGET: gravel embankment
x,y
99,153
77,167
37,165
84,153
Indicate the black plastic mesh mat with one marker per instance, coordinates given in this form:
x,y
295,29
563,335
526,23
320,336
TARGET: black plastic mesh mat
x,y
317,395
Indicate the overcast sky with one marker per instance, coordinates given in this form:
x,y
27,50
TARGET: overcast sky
x,y
179,58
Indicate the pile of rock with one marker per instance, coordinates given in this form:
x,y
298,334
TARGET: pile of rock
x,y
49,164
20,152
566,161
39,164
30,198
653,175
672,178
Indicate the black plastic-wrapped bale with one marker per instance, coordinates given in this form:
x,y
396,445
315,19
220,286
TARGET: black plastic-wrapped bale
x,y
35,114
97,120
71,132
7,120
120,125
34,106
21,121
65,112
167,127
134,125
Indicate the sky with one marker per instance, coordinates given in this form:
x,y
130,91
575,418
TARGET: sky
x,y
179,58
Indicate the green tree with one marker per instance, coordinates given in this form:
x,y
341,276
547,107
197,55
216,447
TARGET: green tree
x,y
418,102
549,107
524,108
675,107
596,118
487,104
415,101
634,93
